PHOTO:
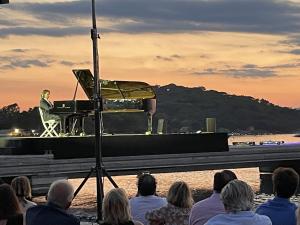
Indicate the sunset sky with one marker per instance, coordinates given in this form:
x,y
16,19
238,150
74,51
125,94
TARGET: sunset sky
x,y
242,47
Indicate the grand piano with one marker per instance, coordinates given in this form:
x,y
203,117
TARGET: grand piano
x,y
116,96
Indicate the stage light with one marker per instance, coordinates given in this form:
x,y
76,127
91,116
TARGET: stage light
x,y
17,130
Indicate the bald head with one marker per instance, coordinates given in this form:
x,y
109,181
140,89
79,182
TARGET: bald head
x,y
61,193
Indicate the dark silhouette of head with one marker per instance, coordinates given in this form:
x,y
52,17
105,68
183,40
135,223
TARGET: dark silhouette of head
x,y
146,185
9,205
222,178
285,182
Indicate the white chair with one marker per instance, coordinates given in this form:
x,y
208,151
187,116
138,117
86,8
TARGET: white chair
x,y
49,126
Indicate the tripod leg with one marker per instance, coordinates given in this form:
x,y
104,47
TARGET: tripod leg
x,y
83,182
109,178
100,193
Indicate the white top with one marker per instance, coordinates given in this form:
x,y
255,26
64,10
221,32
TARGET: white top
x,y
142,204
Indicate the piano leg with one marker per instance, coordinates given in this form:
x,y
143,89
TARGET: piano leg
x,y
149,120
77,125
64,124
82,132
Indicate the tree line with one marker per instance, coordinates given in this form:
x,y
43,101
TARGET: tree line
x,y
183,110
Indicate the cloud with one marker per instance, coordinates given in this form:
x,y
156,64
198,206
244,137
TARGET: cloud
x,y
247,70
250,66
70,63
168,58
293,39
208,71
295,51
163,16
253,73
13,63
67,63
46,31
19,50
18,60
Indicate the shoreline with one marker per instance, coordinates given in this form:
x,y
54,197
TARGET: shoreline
x,y
200,182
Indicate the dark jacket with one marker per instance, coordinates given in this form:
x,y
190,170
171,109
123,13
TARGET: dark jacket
x,y
15,220
49,214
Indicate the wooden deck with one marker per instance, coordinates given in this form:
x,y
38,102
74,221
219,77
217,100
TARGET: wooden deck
x,y
43,169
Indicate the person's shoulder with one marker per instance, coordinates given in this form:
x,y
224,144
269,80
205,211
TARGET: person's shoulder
x,y
263,206
263,219
204,203
160,199
214,219
35,208
137,222
15,220
74,220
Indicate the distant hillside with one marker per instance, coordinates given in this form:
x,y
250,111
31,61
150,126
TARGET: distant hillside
x,y
184,110
188,107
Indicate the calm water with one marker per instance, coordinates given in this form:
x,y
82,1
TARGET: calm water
x,y
287,138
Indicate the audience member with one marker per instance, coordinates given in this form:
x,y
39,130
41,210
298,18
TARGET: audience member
x,y
204,210
238,199
59,199
10,212
298,216
116,209
146,199
177,211
279,209
22,188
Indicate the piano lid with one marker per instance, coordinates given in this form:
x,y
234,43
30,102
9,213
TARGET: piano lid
x,y
114,89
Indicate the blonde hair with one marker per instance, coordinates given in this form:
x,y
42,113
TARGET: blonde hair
x,y
21,186
44,92
180,195
116,207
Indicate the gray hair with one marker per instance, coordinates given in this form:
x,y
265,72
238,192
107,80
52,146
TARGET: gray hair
x,y
237,196
61,193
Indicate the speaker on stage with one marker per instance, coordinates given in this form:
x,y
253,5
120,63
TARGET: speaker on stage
x,y
160,126
211,125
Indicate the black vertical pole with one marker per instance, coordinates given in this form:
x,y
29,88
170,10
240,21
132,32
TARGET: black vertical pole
x,y
97,107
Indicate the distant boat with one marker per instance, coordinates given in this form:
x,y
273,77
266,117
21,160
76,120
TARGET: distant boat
x,y
271,142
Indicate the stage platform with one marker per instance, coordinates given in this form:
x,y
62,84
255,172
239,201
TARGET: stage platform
x,y
116,145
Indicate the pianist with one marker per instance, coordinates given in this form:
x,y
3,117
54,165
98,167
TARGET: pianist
x,y
46,105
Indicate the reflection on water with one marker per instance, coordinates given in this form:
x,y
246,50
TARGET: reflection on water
x,y
287,138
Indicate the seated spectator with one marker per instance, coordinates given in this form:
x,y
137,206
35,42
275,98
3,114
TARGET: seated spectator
x,y
238,199
59,199
298,216
10,212
177,211
146,200
204,210
279,209
116,209
22,188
